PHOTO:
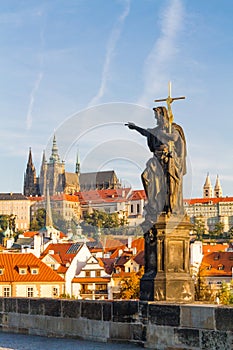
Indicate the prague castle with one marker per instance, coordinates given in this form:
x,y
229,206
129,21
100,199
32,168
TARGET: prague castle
x,y
54,177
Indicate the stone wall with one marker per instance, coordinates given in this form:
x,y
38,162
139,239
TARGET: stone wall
x,y
150,324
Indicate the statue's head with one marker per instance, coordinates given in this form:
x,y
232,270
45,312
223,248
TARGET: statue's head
x,y
161,116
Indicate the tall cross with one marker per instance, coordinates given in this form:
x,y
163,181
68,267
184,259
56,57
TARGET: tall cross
x,y
169,101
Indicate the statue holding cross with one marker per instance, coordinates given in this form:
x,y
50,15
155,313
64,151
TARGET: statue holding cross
x,y
163,177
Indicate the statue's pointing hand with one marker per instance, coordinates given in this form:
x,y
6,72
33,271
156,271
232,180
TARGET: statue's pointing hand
x,y
130,125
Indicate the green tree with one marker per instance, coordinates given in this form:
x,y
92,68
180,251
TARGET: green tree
x,y
103,220
6,220
38,220
218,230
199,228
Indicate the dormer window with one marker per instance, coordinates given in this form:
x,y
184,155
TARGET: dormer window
x,y
22,270
220,267
208,267
34,270
1,271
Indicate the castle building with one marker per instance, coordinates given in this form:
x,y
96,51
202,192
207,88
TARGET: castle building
x,y
212,208
54,176
18,205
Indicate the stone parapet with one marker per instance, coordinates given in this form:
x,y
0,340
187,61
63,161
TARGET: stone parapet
x,y
154,325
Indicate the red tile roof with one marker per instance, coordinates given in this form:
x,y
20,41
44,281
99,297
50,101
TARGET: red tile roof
x,y
138,243
208,200
212,261
100,196
210,248
137,195
12,262
60,249
91,279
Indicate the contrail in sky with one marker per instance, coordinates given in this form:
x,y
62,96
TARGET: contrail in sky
x,y
162,53
36,83
114,37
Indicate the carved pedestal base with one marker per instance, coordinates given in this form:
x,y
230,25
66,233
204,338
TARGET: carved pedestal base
x,y
171,280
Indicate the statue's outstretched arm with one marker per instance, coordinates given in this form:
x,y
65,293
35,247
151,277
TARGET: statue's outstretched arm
x,y
132,126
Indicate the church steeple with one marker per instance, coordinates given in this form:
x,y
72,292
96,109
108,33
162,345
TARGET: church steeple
x,y
54,158
30,180
217,188
77,167
207,188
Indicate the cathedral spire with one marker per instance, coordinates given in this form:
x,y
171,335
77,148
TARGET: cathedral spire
x,y
30,180
77,167
207,188
30,163
217,188
54,158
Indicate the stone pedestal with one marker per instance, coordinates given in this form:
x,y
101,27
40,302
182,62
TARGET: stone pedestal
x,y
171,280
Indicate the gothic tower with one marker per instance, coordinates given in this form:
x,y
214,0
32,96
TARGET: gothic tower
x,y
52,172
207,188
217,188
31,187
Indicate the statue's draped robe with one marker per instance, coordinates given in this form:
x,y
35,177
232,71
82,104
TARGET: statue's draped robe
x,y
162,178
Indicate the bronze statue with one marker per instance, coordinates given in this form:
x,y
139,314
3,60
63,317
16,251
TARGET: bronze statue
x,y
162,178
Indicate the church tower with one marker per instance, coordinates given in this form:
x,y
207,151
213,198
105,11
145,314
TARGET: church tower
x,y
217,188
207,188
77,167
52,172
31,187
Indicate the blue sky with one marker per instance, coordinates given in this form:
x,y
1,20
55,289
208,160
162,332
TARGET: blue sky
x,y
81,68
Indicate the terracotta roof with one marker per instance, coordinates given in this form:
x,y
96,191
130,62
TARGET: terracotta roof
x,y
12,262
210,248
112,244
30,233
60,249
212,262
91,279
208,200
138,243
137,195
59,197
101,196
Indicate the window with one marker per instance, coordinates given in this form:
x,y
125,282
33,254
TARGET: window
x,y
30,292
34,271
1,271
138,208
131,208
55,292
22,271
6,292
88,274
97,273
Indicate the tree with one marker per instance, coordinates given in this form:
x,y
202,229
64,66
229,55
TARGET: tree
x,y
102,219
218,230
130,286
226,293
199,228
8,220
202,290
38,220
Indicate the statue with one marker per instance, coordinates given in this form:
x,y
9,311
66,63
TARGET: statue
x,y
163,177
